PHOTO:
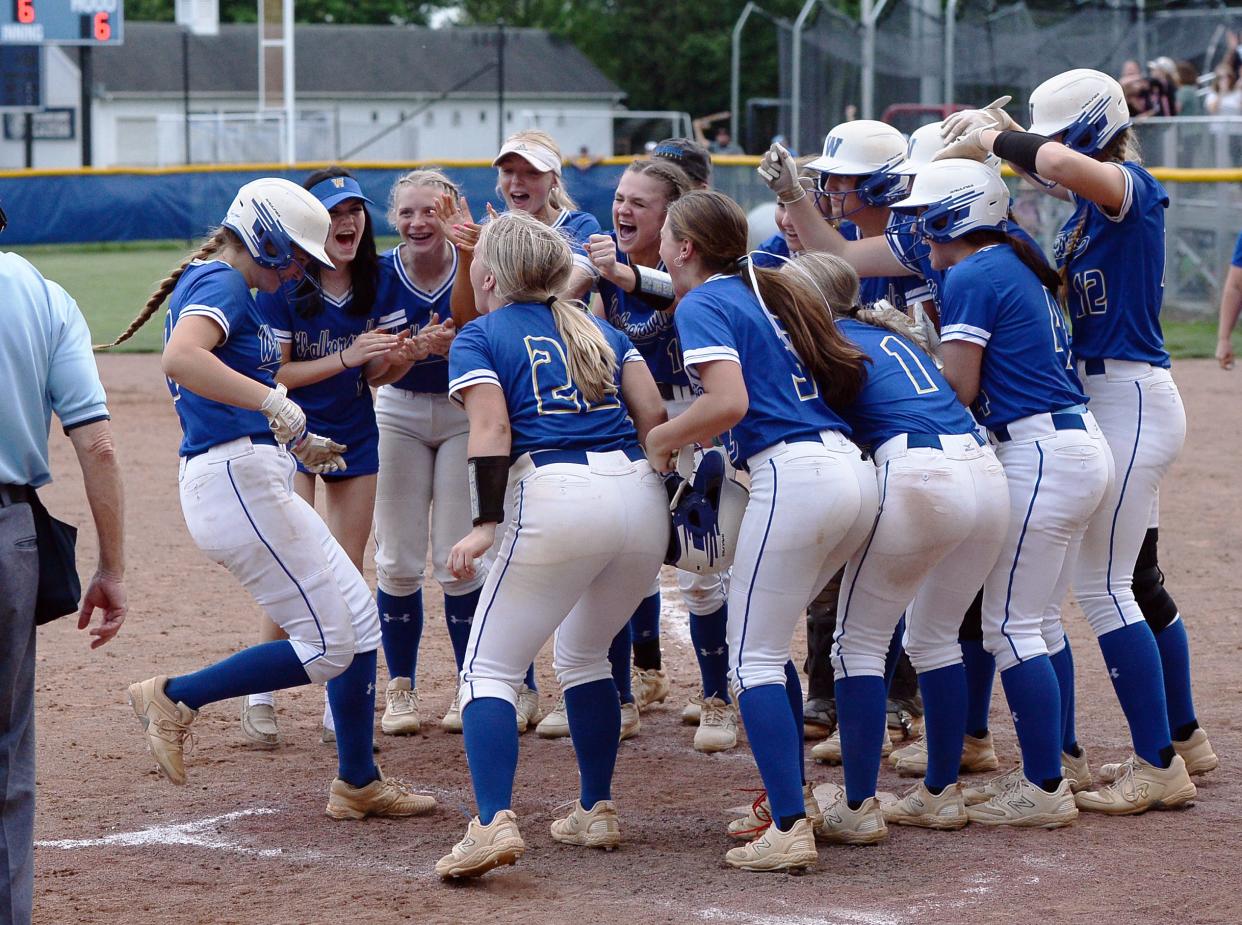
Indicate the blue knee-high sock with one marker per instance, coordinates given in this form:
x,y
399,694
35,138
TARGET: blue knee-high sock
x,y
894,654
595,728
944,719
1063,665
1175,660
1035,704
861,710
980,671
774,743
529,680
793,689
645,623
271,666
489,728
351,695
1134,665
459,614
401,626
711,648
619,660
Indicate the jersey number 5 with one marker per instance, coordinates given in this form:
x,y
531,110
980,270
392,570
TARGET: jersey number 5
x,y
555,392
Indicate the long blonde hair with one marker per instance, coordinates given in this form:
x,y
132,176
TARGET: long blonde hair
x,y
837,284
559,198
531,263
425,176
219,239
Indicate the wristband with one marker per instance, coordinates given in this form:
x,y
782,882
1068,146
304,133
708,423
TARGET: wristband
x,y
655,286
489,479
344,365
1019,148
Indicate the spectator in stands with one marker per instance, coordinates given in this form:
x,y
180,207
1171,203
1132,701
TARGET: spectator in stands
x,y
724,143
1163,83
1230,307
1137,90
1225,97
1189,99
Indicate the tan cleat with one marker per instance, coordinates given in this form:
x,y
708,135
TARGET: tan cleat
x,y
996,786
594,828
554,725
387,797
921,808
1023,804
484,847
650,686
1195,751
1141,786
452,717
845,826
401,709
1076,770
528,712
760,815
167,725
258,723
829,750
691,711
775,850
717,730
631,722
977,755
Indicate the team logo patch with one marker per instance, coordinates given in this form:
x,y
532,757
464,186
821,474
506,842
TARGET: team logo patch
x,y
338,182
832,144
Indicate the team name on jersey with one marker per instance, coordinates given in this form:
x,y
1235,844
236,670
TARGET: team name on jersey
x,y
1062,241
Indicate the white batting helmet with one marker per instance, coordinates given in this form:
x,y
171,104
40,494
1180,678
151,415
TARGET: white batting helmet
x,y
926,143
957,196
271,215
867,149
707,511
1088,106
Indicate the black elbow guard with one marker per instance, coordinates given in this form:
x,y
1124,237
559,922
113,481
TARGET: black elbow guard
x,y
489,478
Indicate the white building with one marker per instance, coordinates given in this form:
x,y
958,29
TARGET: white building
x,y
364,93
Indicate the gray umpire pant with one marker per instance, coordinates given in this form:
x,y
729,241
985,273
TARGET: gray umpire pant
x,y
19,581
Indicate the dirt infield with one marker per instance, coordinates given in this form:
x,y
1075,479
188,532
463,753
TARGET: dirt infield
x,y
247,840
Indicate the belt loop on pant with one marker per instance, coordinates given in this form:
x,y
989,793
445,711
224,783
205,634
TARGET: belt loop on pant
x,y
14,494
1094,367
255,440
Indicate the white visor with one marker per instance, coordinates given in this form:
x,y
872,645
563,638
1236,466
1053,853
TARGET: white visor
x,y
541,158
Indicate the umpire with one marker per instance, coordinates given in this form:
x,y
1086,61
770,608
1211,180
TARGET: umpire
x,y
46,366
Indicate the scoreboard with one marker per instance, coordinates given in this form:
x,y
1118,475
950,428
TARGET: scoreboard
x,y
61,22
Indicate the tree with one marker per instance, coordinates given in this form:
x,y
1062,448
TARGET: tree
x,y
366,12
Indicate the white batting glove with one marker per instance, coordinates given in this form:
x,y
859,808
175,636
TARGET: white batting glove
x,y
320,455
780,173
991,116
968,146
284,417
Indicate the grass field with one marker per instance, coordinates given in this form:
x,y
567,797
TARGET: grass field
x,y
112,284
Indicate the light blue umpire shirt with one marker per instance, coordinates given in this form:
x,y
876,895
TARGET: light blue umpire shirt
x,y
46,366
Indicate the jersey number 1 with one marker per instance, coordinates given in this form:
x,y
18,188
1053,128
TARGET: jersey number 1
x,y
915,371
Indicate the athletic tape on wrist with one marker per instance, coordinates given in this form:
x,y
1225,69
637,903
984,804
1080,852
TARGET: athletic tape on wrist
x,y
655,286
489,479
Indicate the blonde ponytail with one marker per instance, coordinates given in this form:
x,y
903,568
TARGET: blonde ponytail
x,y
591,360
213,245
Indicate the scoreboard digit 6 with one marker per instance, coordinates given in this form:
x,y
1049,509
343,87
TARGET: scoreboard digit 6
x,y
61,22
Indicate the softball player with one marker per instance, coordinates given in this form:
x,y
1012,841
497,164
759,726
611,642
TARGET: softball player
x,y
528,179
422,486
236,493
332,342
558,401
1006,354
1111,252
943,516
639,208
769,362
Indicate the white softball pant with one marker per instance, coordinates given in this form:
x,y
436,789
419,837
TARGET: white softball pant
x,y
581,546
811,507
1140,412
942,519
702,594
422,477
241,510
1057,479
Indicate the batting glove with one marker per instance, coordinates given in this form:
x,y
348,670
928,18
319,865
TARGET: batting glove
x,y
780,173
969,146
990,116
320,455
284,417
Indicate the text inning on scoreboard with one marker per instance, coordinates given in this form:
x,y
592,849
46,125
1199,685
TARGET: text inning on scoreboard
x,y
61,22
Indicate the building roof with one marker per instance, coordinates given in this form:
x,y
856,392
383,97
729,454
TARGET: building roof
x,y
350,61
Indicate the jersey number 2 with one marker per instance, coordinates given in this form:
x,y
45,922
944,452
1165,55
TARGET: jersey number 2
x,y
555,392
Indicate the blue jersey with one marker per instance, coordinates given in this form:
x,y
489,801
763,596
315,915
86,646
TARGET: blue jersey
x,y
992,299
1116,273
898,291
722,320
1237,253
217,291
395,291
518,348
904,392
340,406
770,252
649,329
